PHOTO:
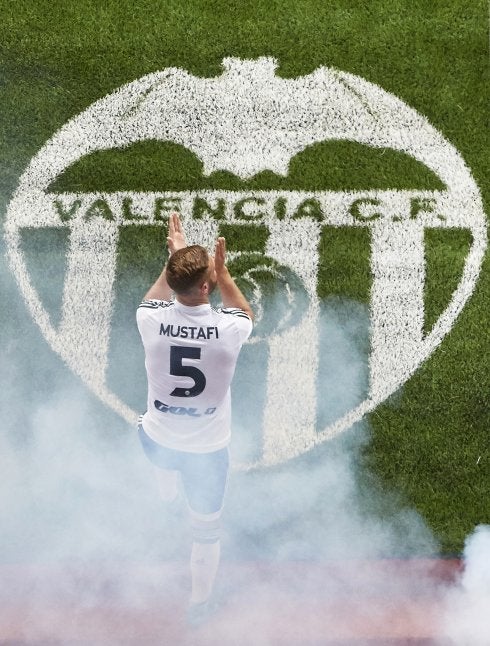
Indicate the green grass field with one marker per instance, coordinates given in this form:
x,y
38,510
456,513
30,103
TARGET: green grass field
x,y
430,441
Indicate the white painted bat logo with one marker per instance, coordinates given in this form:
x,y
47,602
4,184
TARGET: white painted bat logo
x,y
245,121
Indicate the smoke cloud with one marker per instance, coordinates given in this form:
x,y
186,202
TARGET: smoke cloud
x,y
83,527
466,619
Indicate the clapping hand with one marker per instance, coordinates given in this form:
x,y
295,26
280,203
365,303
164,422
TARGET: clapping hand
x,y
220,256
176,237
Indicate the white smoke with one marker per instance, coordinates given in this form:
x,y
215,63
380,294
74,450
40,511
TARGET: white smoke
x,y
82,526
467,614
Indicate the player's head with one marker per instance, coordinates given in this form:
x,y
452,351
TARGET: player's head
x,y
190,271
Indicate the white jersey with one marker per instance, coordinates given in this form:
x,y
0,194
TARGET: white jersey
x,y
190,358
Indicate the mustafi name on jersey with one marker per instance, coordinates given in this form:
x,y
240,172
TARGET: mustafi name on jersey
x,y
189,332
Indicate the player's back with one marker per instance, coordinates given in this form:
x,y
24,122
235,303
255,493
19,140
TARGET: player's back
x,y
190,358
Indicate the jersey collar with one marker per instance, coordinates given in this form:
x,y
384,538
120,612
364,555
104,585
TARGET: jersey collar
x,y
192,309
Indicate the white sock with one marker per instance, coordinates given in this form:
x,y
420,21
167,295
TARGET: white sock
x,y
204,565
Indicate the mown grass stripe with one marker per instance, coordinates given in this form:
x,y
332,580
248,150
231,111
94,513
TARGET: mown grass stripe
x,y
344,263
445,254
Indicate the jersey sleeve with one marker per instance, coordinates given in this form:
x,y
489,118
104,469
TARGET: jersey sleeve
x,y
242,321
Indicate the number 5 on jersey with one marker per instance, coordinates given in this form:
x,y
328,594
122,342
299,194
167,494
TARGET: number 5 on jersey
x,y
177,355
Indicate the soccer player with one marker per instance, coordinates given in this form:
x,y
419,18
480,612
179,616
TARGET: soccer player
x,y
191,351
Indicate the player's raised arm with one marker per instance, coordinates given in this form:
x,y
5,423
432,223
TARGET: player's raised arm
x,y
160,289
230,292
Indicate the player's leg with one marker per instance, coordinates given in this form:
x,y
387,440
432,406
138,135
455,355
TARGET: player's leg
x,y
204,478
165,465
205,554
168,484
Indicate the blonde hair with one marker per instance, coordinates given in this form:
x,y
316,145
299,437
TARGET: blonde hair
x,y
187,268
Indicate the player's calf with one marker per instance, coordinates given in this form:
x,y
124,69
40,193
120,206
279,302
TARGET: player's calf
x,y
205,555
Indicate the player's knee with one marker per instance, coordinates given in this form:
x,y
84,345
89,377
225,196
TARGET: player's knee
x,y
167,482
206,528
168,496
